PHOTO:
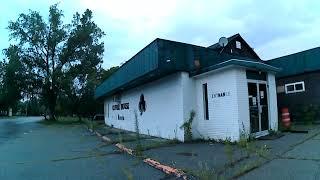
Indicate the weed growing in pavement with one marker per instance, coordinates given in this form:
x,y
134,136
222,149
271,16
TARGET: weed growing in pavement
x,y
187,126
120,138
262,151
246,168
138,149
127,173
228,149
206,173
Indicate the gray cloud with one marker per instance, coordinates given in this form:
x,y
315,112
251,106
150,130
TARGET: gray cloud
x,y
273,28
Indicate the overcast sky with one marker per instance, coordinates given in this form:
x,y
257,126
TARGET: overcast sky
x,y
273,28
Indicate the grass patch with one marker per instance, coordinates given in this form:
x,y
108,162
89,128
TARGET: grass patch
x,y
62,121
204,172
91,124
7,117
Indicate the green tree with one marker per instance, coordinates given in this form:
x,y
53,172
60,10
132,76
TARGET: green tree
x,y
52,50
12,78
78,93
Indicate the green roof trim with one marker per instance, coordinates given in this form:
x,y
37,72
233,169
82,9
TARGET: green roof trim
x,y
297,63
239,63
163,57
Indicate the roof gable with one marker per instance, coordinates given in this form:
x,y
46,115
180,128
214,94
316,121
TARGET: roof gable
x,y
230,48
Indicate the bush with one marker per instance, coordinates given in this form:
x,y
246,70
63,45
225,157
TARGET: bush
x,y
187,126
309,113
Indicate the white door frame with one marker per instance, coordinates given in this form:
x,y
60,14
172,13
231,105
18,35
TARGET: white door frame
x,y
265,132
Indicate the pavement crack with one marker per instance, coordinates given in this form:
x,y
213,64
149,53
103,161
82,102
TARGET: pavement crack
x,y
70,158
302,159
85,157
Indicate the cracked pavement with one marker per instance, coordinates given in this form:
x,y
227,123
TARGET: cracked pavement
x,y
300,161
32,151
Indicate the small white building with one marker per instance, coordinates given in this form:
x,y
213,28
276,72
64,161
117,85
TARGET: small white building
x,y
229,88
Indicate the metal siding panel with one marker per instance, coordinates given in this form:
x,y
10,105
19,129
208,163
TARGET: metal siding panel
x,y
297,63
142,63
296,102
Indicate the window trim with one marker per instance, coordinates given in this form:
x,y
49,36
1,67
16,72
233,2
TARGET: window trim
x,y
238,44
205,101
294,87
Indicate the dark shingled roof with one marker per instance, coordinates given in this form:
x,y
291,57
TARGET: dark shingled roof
x,y
297,63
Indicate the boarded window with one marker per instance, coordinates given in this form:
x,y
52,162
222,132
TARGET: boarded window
x,y
205,101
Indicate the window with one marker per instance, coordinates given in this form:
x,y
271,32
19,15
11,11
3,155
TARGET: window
x,y
294,87
205,101
108,110
238,44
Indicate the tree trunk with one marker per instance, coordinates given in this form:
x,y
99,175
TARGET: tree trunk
x,y
52,101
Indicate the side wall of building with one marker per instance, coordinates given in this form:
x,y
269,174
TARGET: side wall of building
x,y
164,108
223,105
273,105
297,102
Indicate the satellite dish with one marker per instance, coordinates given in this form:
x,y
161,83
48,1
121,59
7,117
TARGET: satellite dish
x,y
223,41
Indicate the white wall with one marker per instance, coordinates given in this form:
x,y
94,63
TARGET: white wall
x,y
273,106
164,108
243,102
170,100
224,113
189,95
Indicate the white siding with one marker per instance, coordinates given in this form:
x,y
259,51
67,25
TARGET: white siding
x,y
273,106
243,102
189,95
224,117
164,108
170,100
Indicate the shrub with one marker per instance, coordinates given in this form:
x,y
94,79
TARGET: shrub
x,y
187,126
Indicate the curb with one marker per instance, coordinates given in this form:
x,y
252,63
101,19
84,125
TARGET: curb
x,y
166,169
124,149
153,163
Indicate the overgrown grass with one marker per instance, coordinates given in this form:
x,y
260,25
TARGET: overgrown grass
x,y
204,172
62,121
138,150
7,117
90,124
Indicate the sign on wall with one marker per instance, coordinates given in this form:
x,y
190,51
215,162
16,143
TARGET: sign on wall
x,y
120,106
221,94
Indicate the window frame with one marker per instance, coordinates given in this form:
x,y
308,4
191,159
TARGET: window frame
x,y
294,87
238,45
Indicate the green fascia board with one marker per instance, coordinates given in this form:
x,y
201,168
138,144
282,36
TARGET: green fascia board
x,y
297,63
167,57
143,62
158,59
249,64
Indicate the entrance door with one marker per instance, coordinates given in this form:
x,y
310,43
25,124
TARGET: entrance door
x,y
258,107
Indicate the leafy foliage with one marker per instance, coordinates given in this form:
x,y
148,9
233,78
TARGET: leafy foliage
x,y
60,60
11,78
187,126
